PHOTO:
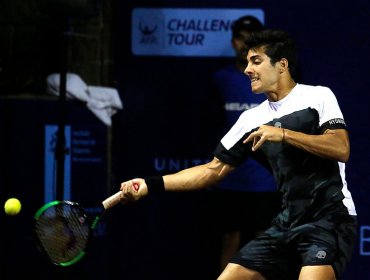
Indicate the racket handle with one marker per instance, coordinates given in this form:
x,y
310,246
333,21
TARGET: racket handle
x,y
112,200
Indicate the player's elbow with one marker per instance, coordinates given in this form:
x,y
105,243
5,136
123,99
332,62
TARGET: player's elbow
x,y
217,170
343,154
339,146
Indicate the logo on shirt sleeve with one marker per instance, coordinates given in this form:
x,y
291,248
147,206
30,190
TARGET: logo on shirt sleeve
x,y
321,254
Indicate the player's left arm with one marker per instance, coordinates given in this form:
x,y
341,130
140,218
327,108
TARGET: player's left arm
x,y
332,144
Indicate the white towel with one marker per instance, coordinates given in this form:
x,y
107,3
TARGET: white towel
x,y
102,101
76,88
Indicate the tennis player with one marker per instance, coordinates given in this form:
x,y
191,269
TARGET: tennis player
x,y
301,132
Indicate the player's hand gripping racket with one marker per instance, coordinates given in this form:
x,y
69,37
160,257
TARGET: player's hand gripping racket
x,y
63,229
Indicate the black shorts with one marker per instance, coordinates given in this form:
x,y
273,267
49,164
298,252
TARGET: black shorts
x,y
280,254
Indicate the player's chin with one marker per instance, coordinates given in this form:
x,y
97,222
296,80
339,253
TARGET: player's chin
x,y
256,88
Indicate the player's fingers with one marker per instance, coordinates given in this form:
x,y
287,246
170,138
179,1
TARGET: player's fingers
x,y
250,137
122,197
123,186
126,195
127,198
257,142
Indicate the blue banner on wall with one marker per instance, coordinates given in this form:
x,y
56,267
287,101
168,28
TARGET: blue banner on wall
x,y
185,31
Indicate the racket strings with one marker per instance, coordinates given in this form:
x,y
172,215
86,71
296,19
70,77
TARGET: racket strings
x,y
63,232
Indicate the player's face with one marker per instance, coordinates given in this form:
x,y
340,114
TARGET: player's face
x,y
264,76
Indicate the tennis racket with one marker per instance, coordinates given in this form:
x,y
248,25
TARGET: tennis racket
x,y
63,229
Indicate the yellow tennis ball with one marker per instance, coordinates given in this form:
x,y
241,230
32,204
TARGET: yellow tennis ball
x,y
12,206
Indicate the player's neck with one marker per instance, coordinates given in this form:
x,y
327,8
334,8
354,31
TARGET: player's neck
x,y
282,90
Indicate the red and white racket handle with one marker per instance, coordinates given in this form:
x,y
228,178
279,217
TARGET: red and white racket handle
x,y
112,200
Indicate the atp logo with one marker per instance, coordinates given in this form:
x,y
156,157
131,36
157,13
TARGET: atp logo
x,y
147,30
147,33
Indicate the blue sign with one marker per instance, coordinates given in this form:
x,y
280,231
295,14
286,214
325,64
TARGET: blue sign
x,y
185,32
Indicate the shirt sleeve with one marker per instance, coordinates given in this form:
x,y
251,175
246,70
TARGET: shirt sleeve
x,y
235,155
331,116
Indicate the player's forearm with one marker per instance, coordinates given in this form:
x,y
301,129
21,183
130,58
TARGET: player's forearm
x,y
193,178
196,177
333,144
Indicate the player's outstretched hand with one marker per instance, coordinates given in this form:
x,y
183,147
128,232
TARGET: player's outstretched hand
x,y
133,190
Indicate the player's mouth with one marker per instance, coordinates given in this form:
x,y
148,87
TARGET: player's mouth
x,y
254,79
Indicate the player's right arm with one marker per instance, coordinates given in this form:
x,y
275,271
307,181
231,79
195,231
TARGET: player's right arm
x,y
197,177
193,178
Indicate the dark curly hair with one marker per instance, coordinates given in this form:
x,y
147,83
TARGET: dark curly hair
x,y
278,44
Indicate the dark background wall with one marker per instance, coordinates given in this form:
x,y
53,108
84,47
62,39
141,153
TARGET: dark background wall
x,y
168,123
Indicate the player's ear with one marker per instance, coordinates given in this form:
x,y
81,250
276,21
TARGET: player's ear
x,y
283,65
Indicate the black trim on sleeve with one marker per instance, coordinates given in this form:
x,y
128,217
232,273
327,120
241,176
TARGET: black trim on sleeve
x,y
334,124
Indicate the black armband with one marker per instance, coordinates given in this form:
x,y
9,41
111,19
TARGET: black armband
x,y
155,184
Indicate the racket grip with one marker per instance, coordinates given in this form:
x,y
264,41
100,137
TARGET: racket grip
x,y
112,200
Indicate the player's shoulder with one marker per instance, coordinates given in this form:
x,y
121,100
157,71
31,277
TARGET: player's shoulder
x,y
314,91
312,88
260,109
